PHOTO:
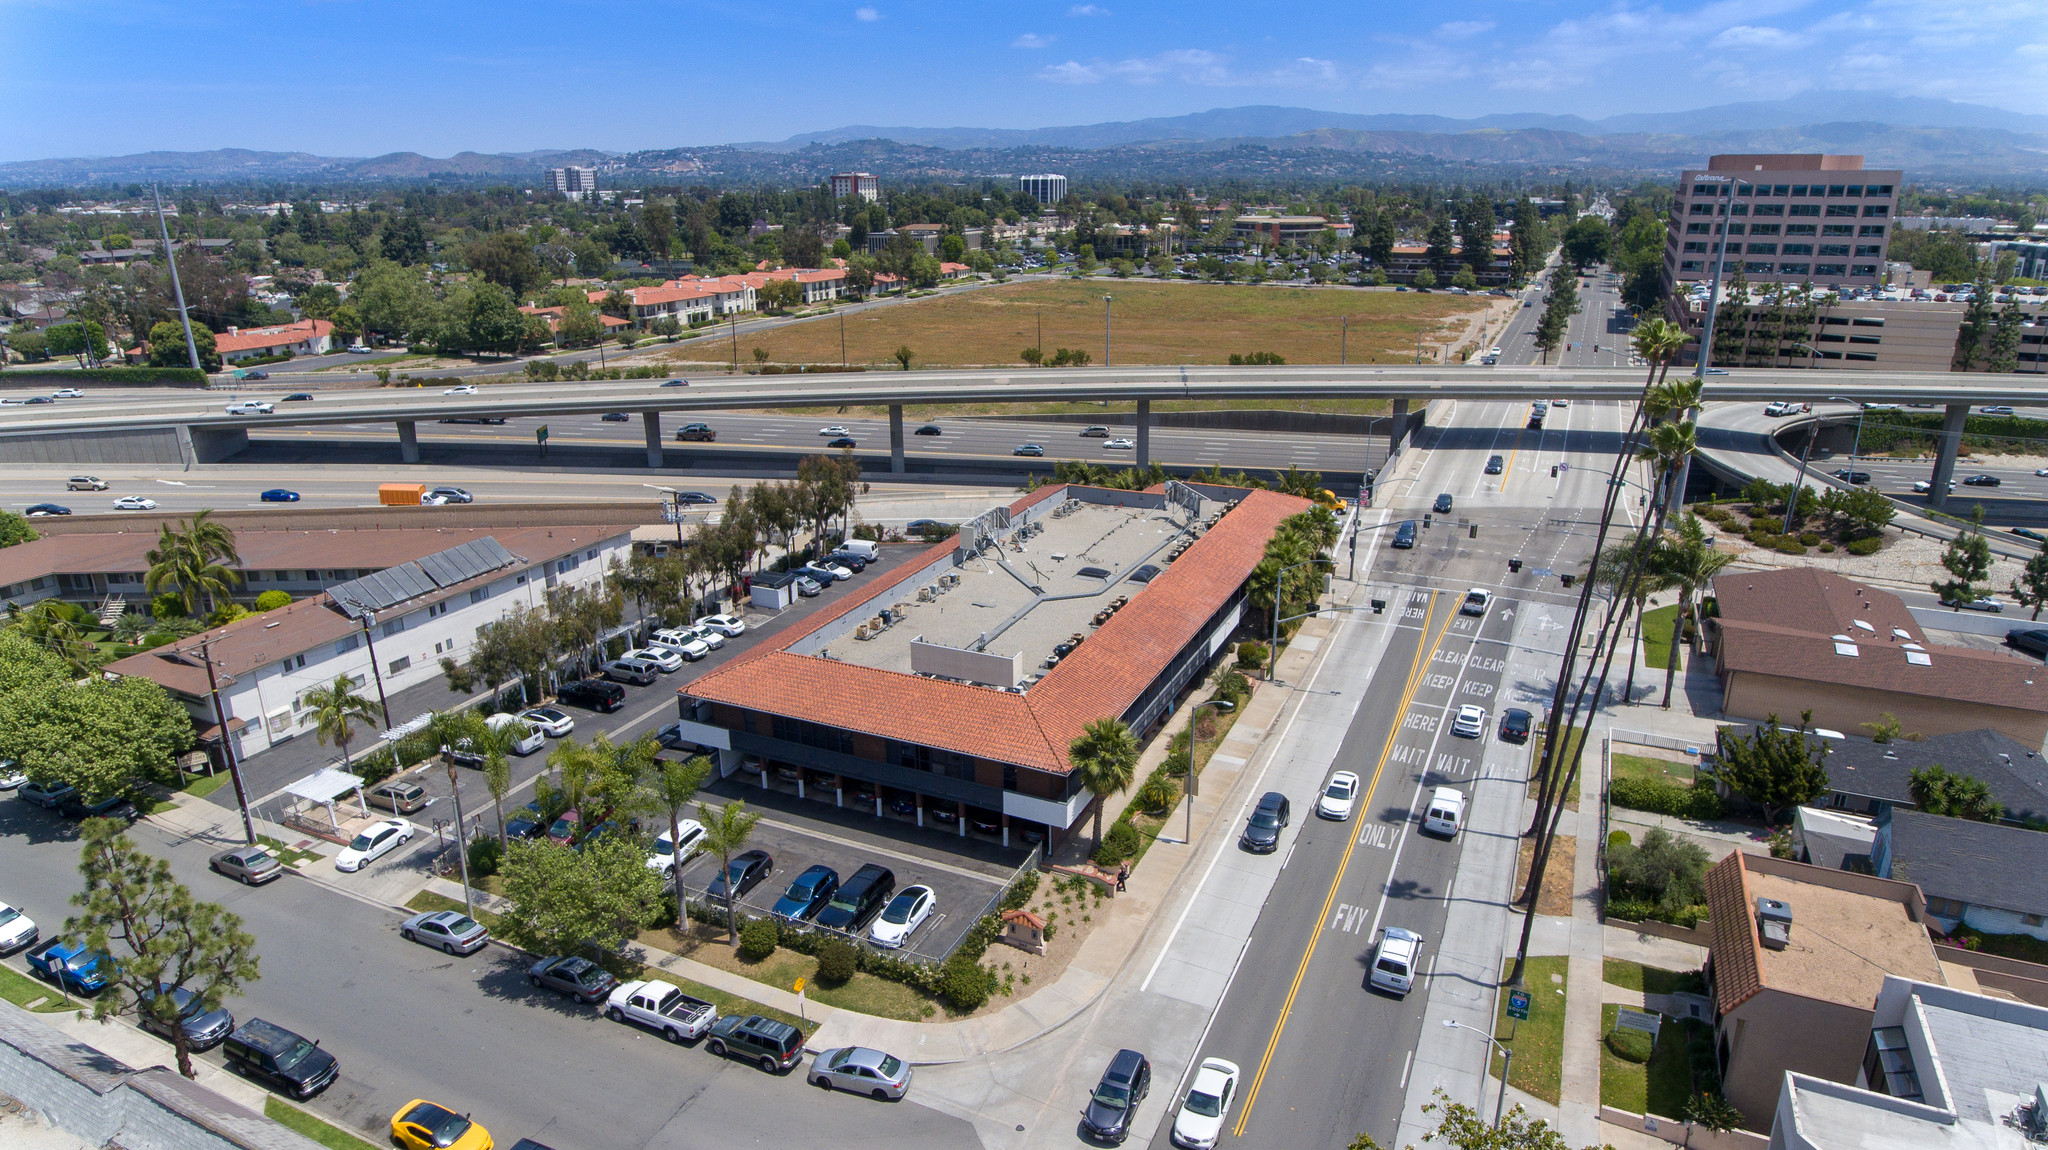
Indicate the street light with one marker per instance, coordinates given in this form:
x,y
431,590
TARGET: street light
x,y
1105,329
1508,1061
1706,355
1189,798
1280,581
461,847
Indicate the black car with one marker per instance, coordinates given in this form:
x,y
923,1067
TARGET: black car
x,y
1515,724
692,498
612,417
297,397
777,1046
577,978
845,441
1116,1097
111,807
1982,481
1859,478
255,375
41,509
465,754
928,429
527,823
1495,464
1404,535
2031,641
204,1029
851,560
593,694
1443,503
1262,833
267,1051
746,872
859,899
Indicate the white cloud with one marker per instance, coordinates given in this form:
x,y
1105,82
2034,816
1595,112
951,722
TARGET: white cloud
x,y
1754,36
1461,29
866,15
1197,66
1033,40
1071,72
1087,10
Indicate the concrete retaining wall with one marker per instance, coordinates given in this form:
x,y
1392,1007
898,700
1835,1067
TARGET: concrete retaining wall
x,y
1679,1134
1296,422
1697,935
150,445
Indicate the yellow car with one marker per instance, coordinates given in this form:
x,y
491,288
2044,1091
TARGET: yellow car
x,y
423,1125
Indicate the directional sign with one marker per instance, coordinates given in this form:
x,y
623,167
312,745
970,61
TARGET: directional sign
x,y
541,433
1518,1004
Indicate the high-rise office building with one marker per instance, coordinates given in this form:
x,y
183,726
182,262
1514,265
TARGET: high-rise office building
x,y
1046,188
861,184
1786,218
578,183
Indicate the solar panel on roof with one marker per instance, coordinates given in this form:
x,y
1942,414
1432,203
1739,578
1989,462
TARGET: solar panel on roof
x,y
395,585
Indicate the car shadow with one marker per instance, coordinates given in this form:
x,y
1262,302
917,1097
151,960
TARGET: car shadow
x,y
507,981
34,824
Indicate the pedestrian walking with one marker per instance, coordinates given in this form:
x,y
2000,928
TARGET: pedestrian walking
x,y
1123,872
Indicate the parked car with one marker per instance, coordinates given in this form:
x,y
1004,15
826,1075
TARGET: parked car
x,y
808,587
593,694
1032,449
807,895
398,796
1125,1083
424,1125
577,978
825,573
1394,960
267,1051
71,963
2034,642
374,842
731,626
528,822
1262,830
661,1008
660,658
1470,722
1515,724
448,930
253,866
16,930
11,775
1445,814
690,833
851,560
1339,796
859,898
204,1029
1984,604
549,721
85,483
1199,1123
776,1046
635,671
133,503
883,1077
279,495
116,806
683,643
901,918
746,872
48,796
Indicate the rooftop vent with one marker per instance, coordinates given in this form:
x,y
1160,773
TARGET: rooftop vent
x,y
1919,659
1848,649
1774,923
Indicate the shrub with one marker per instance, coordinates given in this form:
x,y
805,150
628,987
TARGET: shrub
x,y
965,983
167,606
1864,546
1665,799
1118,843
1156,796
1631,909
1768,524
1251,653
1234,687
1629,1045
759,938
1787,545
1827,549
1617,838
272,600
837,962
484,853
1810,538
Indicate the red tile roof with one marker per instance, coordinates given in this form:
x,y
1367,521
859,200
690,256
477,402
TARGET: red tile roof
x,y
283,335
1103,676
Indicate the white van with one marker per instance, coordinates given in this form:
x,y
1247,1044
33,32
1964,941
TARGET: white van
x,y
526,738
861,547
1445,813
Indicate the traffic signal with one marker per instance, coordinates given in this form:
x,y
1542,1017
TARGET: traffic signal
x,y
1514,566
1566,579
1475,531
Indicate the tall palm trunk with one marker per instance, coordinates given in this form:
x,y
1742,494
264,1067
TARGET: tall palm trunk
x,y
1677,635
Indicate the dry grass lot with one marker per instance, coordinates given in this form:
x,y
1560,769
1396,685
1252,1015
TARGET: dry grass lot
x,y
1151,323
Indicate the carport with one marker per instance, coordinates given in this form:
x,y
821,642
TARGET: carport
x,y
320,789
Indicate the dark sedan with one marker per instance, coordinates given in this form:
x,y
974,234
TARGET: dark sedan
x,y
1515,724
255,375
111,807
1262,832
1443,503
2033,642
204,1029
612,417
1982,481
1859,478
808,894
41,509
577,978
297,397
279,495
845,441
745,873
529,822
928,429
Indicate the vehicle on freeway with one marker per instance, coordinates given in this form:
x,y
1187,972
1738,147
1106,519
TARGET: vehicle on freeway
x,y
662,1008
450,495
1442,504
424,1125
133,503
297,397
16,930
2029,533
48,796
633,671
374,842
523,737
1995,409
115,806
256,375
448,930
1027,449
1859,478
858,899
807,894
746,872
1119,444
690,833
252,866
731,626
696,433
1560,403
1125,1083
680,643
1262,830
694,498
1494,350
267,1051
279,495
38,510
835,429
776,1046
2040,471
883,1077
67,393
1780,410
398,797
901,918
1495,464
928,429
85,483
577,978
613,417
920,526
1923,486
677,383
660,658
1445,814
204,1029
1477,600
461,389
1515,724
250,407
1984,604
1394,960
845,441
1199,1122
592,694
549,721
1339,796
71,963
1095,433
2034,642
1471,721
808,587
475,420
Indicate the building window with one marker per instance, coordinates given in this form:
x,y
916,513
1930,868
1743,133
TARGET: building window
x,y
1738,209
1702,210
1829,337
1782,190
1695,246
437,610
1837,230
1763,229
1888,1064
1869,251
393,627
1796,250
1946,907
1864,270
1834,249
1802,229
1864,356
1754,268
1839,210
1866,339
397,665
1830,269
1867,322
1697,229
1763,249
2030,919
1805,210
1792,269
1870,231
293,663
344,646
1770,209
1876,211
1734,229
1703,189
479,594
1689,265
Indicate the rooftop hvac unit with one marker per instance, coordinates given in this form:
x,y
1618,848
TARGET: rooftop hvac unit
x,y
924,594
1774,923
2036,1120
862,632
1775,935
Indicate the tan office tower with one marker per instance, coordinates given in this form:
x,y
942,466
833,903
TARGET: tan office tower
x,y
1824,220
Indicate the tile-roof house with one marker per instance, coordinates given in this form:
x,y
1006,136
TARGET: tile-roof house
x,y
306,337
1983,875
1801,639
1870,776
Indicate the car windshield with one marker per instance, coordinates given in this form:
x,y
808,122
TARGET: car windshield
x,y
899,910
362,842
1340,789
445,1126
295,1055
257,860
1206,1105
8,914
802,889
1110,1094
1264,818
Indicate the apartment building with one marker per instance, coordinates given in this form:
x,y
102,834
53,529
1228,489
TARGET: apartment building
x,y
576,183
862,184
1821,219
1045,187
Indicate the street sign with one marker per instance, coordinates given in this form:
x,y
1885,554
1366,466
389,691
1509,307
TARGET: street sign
x,y
1627,1019
1518,1004
541,433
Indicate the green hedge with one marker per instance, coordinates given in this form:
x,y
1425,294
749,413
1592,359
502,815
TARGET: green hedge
x,y
128,375
1694,802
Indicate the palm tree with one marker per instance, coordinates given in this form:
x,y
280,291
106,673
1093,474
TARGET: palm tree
x,y
1669,446
1105,758
669,793
337,708
48,625
191,559
1295,481
725,832
1687,563
1658,341
1611,570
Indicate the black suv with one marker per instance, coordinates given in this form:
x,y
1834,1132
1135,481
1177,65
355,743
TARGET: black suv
x,y
594,694
777,1046
1262,833
111,807
1116,1097
268,1051
859,898
1404,535
2031,641
1443,503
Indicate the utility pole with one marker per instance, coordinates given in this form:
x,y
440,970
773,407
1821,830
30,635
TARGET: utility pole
x,y
227,749
733,325
1699,369
1344,343
178,289
461,847
1105,330
368,617
842,339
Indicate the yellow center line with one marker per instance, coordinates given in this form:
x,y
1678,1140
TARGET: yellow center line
x,y
1423,653
1508,472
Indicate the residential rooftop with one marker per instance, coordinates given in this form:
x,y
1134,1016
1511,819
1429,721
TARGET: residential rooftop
x,y
1984,864
2016,774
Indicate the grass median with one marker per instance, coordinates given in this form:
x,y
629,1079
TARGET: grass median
x,y
300,1122
20,989
1538,1042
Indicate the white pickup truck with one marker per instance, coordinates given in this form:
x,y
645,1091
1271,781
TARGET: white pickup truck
x,y
661,1008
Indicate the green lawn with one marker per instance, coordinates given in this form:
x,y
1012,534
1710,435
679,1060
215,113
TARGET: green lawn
x,y
325,1133
285,854
428,900
20,989
1654,770
1538,1043
1651,979
1659,1086
1657,636
205,785
726,1003
863,992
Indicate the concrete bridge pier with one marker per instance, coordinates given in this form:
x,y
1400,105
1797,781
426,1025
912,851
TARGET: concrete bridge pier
x,y
408,442
1144,433
1945,452
1397,428
650,422
896,439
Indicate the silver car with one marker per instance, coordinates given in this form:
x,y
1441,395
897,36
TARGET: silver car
x,y
251,865
448,930
883,1077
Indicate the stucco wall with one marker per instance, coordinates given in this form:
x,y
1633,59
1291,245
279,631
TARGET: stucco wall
x,y
1751,695
1774,1032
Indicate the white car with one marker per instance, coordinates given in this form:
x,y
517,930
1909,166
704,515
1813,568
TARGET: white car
x,y
1470,723
1119,445
1395,960
707,636
901,918
135,503
16,929
685,644
1200,1120
526,738
1985,604
251,407
1477,600
376,841
11,775
838,573
358,349
461,389
731,626
2041,471
663,860
1339,796
1924,486
662,657
549,721
835,429
74,393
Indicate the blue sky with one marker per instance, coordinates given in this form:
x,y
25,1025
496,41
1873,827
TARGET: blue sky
x,y
365,77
